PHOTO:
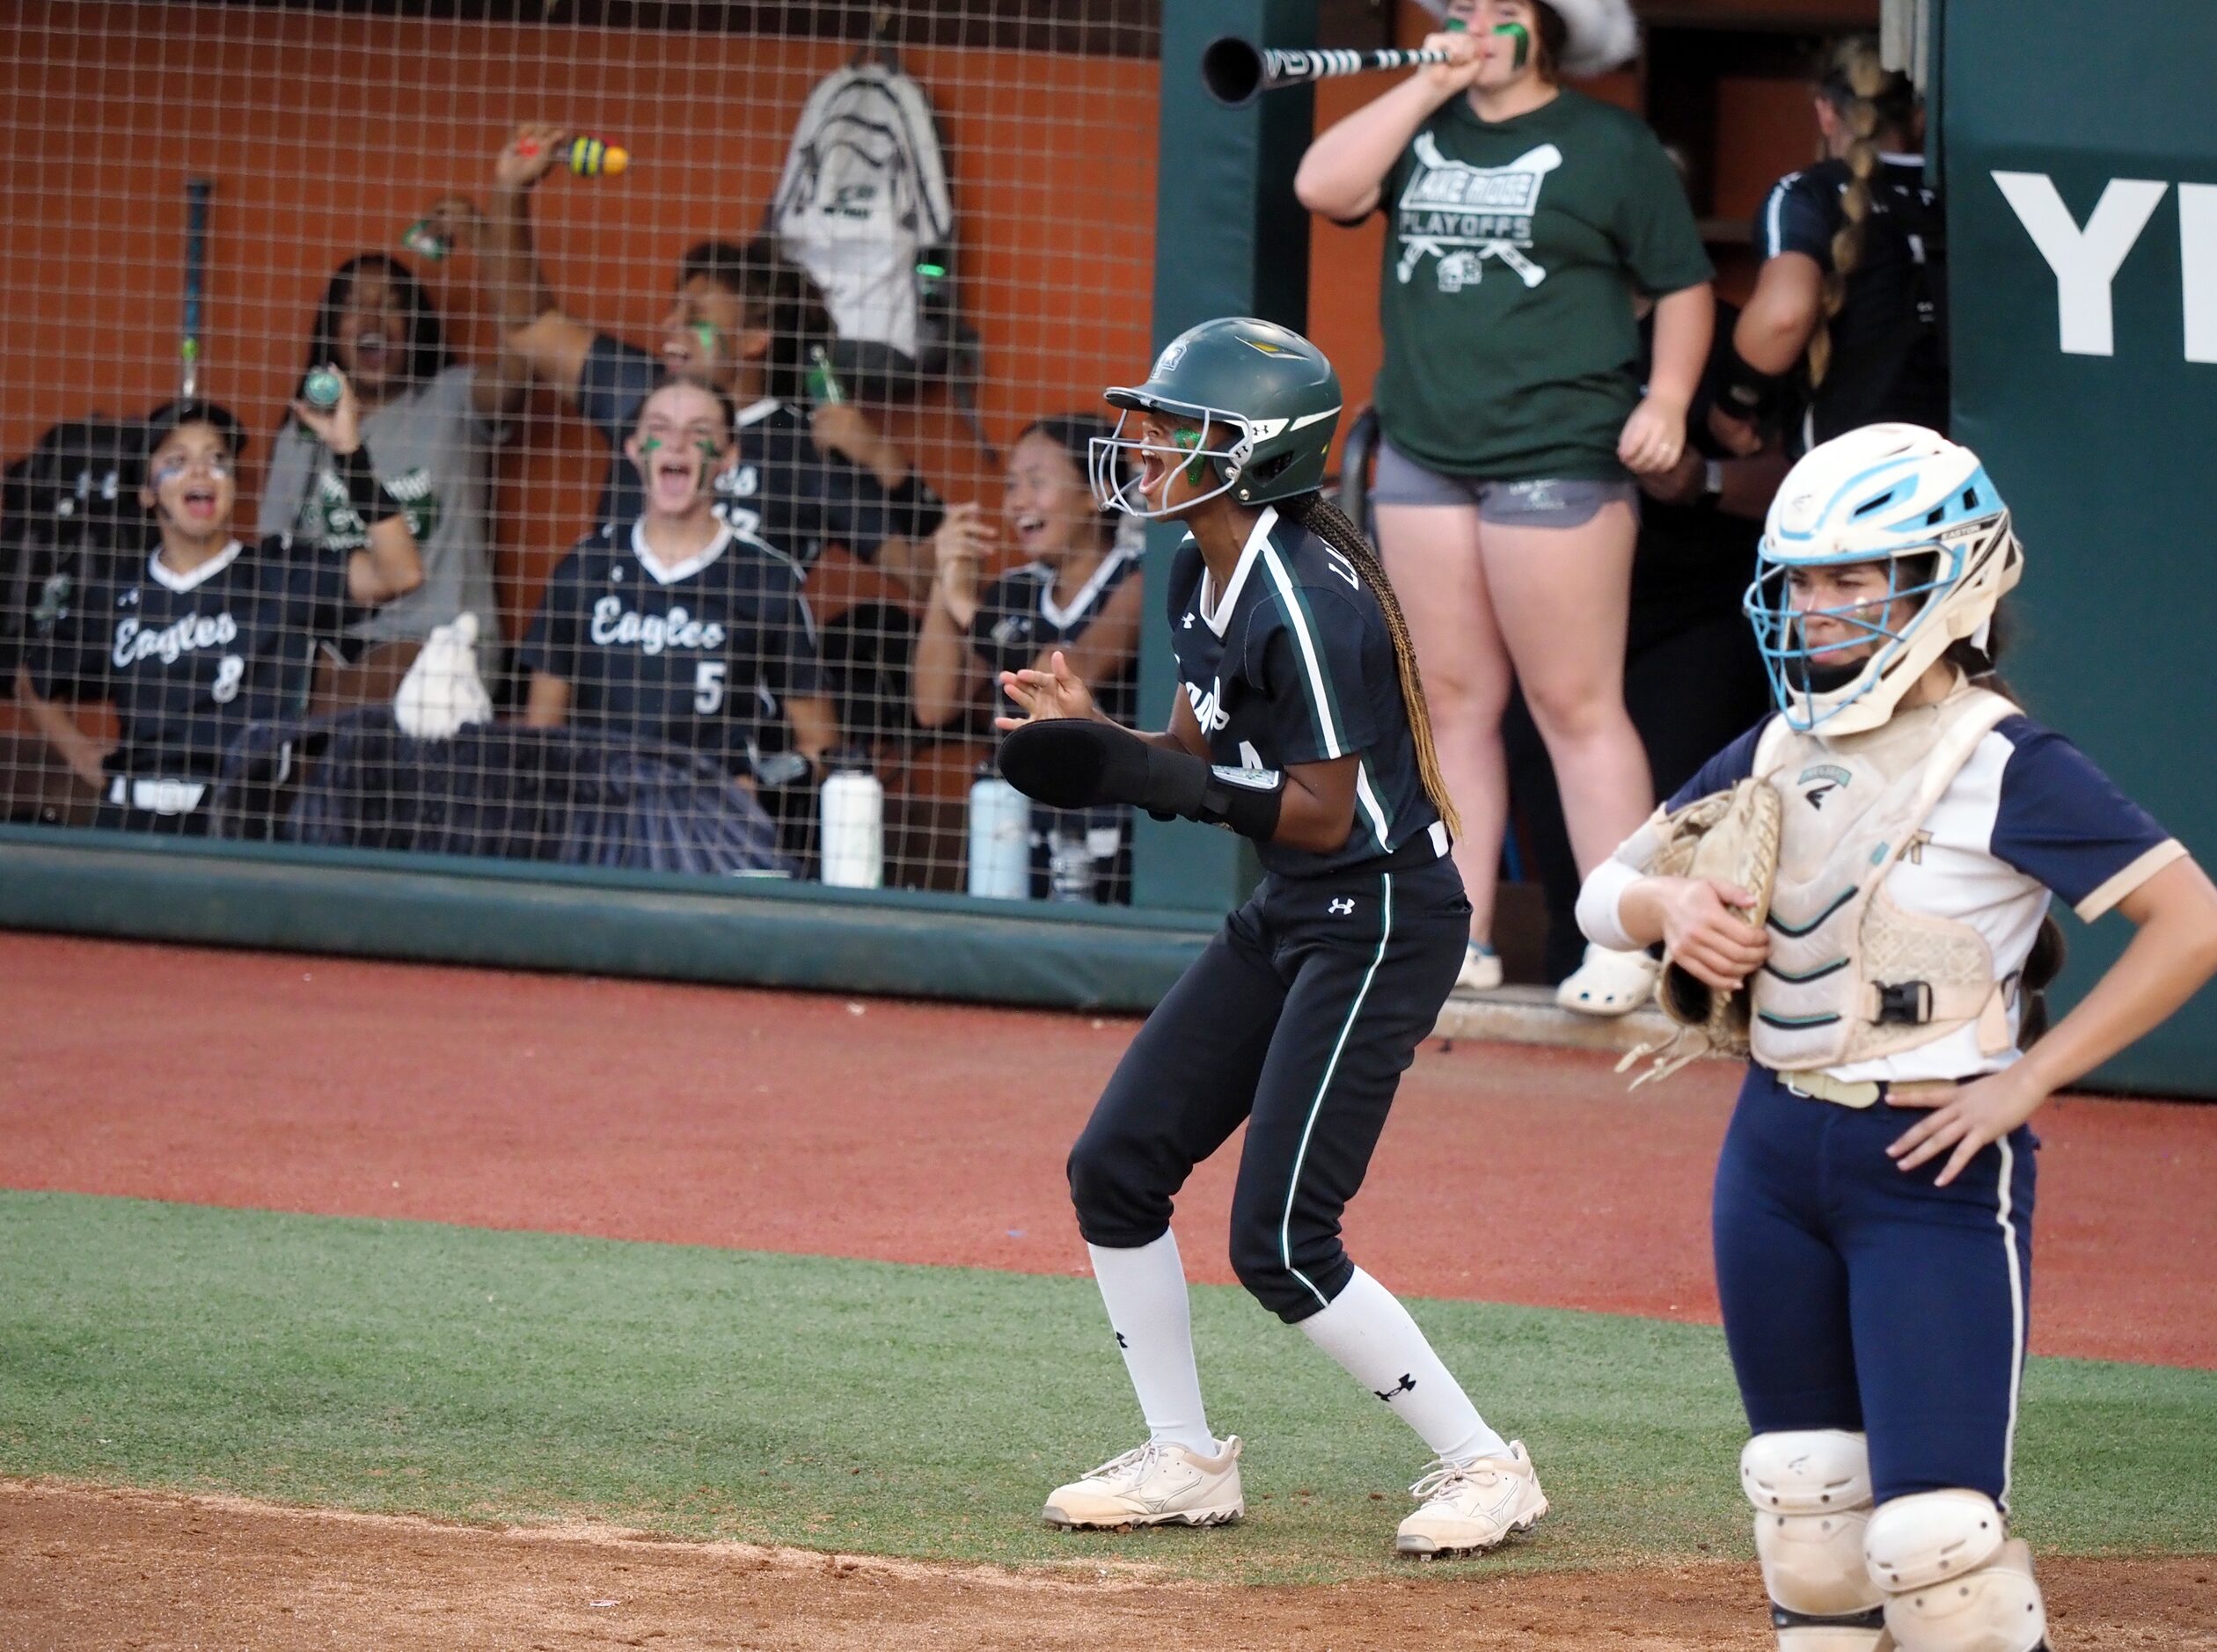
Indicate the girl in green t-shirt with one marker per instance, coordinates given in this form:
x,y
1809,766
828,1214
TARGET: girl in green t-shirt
x,y
1526,219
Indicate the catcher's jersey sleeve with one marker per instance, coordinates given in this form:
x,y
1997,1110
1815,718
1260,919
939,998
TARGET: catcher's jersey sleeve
x,y
2061,819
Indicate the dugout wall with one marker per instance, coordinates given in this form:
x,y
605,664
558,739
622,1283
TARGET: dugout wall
x,y
2082,199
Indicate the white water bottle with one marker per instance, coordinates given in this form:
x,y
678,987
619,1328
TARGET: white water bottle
x,y
852,813
1000,840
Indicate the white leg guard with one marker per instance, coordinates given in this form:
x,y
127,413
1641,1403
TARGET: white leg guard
x,y
1812,1491
1955,1581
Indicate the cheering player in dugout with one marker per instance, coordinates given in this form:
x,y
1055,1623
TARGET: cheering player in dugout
x,y
208,635
675,626
1302,725
743,321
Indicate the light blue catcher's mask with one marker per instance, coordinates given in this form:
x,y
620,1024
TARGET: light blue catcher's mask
x,y
1966,536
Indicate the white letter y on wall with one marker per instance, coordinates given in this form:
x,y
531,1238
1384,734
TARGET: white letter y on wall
x,y
2085,261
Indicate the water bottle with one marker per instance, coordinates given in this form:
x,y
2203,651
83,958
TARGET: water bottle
x,y
851,805
1000,840
1070,865
323,389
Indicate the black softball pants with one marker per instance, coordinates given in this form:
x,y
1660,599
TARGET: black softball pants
x,y
1300,1019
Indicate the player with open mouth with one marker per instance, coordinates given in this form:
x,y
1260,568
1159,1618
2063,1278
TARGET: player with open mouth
x,y
208,634
1299,724
675,626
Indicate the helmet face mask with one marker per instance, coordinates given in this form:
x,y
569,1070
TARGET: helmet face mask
x,y
1117,461
1803,673
1883,495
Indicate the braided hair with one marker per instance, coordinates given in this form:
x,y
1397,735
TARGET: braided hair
x,y
1870,99
1329,523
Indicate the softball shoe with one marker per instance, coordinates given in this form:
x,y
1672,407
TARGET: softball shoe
x,y
1469,1508
1157,1484
1609,982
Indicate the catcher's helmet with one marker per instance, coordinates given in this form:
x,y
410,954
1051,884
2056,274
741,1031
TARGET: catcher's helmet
x,y
1882,494
1265,403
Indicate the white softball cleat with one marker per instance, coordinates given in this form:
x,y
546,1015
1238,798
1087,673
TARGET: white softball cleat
x,y
1469,1508
1609,982
1157,1484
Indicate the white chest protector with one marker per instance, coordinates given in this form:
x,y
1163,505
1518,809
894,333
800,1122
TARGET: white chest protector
x,y
1851,975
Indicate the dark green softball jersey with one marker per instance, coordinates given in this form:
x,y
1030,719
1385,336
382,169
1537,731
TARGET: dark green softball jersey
x,y
1512,253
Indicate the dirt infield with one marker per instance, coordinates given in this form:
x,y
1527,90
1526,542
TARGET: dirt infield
x,y
101,1568
634,1110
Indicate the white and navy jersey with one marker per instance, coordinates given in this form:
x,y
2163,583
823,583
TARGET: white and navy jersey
x,y
1889,341
702,655
189,659
1018,617
1291,663
781,489
2027,815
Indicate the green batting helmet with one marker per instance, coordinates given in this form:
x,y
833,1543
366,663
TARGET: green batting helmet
x,y
1264,398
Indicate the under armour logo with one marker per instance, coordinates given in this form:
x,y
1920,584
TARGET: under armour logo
x,y
1816,795
1186,624
1342,906
1120,1341
1406,1386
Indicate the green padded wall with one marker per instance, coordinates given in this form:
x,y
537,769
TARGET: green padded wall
x,y
2081,165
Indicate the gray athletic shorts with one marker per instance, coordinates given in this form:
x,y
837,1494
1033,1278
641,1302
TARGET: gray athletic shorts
x,y
1541,502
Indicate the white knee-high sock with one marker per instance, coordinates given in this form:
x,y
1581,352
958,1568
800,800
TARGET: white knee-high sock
x,y
1145,1291
1371,1335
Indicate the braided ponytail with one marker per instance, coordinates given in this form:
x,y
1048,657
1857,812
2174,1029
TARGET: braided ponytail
x,y
1870,99
1329,523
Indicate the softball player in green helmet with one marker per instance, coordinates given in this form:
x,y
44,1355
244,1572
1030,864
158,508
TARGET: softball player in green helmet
x,y
1299,723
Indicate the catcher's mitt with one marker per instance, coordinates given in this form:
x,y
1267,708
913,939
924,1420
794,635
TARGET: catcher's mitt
x,y
1732,835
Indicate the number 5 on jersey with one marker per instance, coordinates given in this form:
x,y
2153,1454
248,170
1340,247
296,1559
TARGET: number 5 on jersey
x,y
708,686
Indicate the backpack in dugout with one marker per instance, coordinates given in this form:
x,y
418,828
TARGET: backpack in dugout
x,y
863,205
67,508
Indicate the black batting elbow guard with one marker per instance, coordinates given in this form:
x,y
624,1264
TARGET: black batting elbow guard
x,y
1076,762
1247,801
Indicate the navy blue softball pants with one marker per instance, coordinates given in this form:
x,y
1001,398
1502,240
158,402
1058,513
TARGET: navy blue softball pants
x,y
1300,1019
1857,1297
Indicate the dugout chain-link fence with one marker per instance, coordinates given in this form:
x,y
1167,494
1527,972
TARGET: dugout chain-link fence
x,y
625,437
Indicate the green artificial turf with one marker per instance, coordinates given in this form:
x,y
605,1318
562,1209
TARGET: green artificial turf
x,y
469,1374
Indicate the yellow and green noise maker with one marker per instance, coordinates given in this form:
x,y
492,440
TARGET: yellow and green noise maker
x,y
587,157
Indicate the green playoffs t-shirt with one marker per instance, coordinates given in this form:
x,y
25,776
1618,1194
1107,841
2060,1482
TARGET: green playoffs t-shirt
x,y
1510,260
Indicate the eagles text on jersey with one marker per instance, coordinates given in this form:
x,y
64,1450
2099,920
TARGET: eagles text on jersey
x,y
702,655
189,659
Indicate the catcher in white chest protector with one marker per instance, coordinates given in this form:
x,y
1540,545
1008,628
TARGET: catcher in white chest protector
x,y
1854,895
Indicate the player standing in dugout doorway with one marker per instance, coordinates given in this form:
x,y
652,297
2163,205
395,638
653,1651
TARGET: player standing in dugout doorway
x,y
1512,415
1849,322
1300,725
